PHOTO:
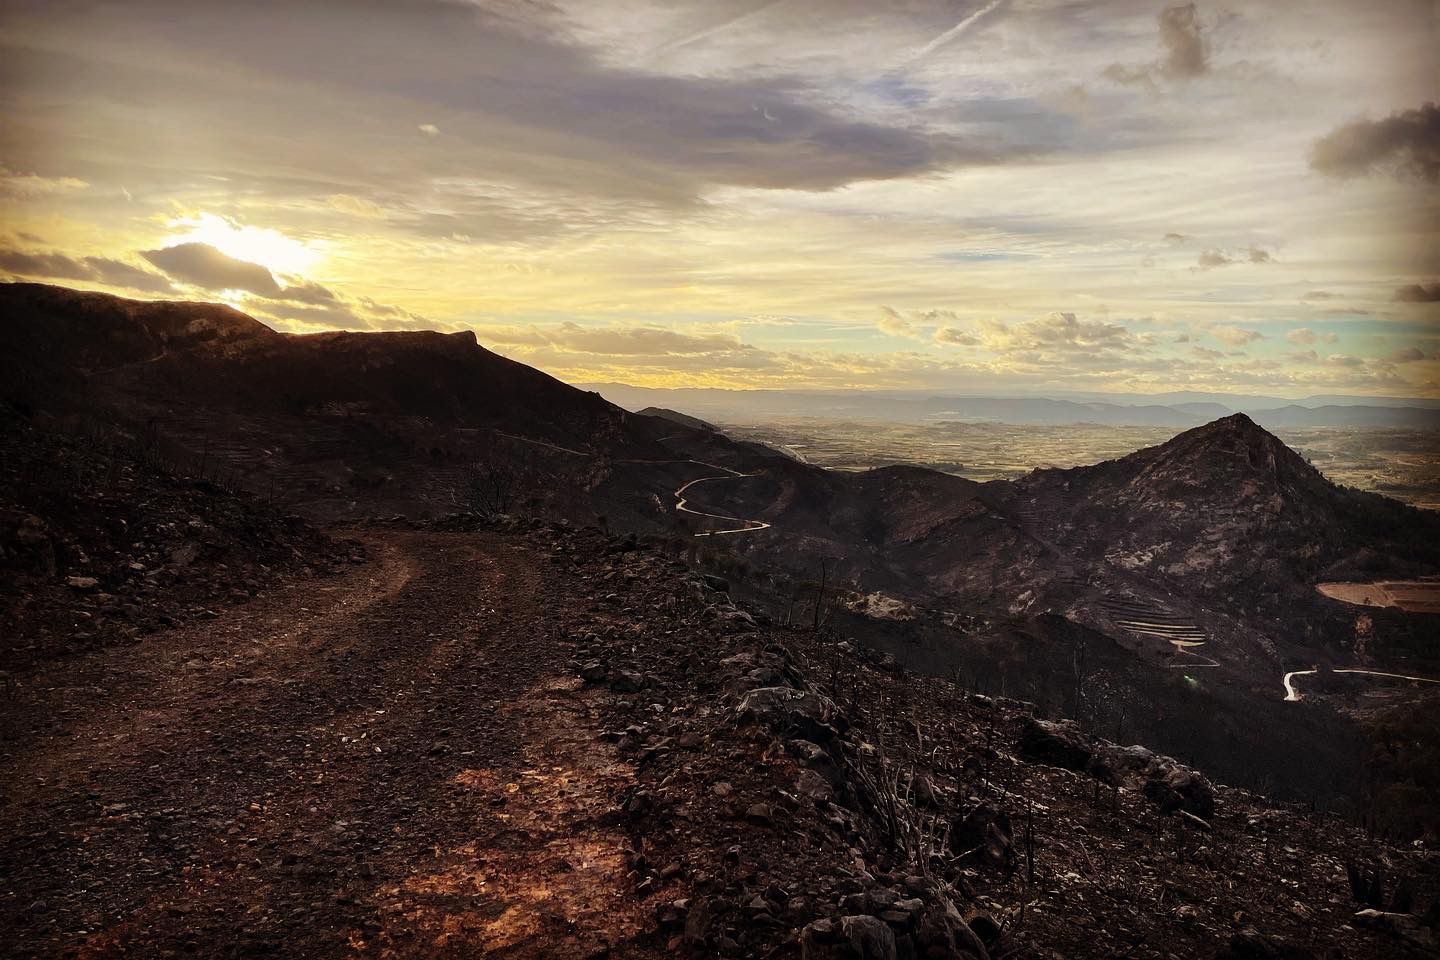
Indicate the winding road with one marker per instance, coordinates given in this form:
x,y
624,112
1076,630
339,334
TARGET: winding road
x,y
1291,694
747,526
750,526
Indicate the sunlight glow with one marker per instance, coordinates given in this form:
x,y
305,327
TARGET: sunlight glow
x,y
269,248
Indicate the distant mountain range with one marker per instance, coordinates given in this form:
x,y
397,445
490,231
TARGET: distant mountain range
x,y
1178,410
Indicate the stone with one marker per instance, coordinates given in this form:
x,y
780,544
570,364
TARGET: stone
x,y
760,814
627,681
787,711
1251,944
82,583
810,784
870,938
1173,787
985,833
926,793
859,937
1057,743
1400,925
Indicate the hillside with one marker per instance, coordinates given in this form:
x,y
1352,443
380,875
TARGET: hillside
x,y
396,421
675,416
1226,512
542,742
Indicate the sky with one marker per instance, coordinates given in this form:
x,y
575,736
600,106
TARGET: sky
x,y
963,195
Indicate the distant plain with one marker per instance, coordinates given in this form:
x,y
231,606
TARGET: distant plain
x,y
1400,463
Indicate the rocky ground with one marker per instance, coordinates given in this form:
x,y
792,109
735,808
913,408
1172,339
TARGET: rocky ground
x,y
101,543
542,742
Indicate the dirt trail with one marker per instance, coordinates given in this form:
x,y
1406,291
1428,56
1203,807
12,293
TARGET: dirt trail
x,y
395,762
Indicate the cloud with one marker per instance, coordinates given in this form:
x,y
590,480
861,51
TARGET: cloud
x,y
203,266
1318,295
306,291
355,206
518,99
1205,353
630,341
1405,355
1344,360
1175,238
1235,336
304,306
1304,337
893,323
1185,53
333,316
29,186
58,266
1418,293
1406,144
1209,259
643,340
954,336
1061,332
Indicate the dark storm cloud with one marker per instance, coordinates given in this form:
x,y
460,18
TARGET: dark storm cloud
x,y
203,266
1406,143
1418,293
58,266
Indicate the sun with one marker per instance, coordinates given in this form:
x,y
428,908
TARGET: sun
x,y
269,248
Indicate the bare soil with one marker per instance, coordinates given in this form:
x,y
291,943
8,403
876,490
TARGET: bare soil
x,y
395,762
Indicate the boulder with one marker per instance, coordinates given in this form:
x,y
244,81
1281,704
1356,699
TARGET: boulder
x,y
858,937
1251,944
1173,787
810,784
627,681
984,832
1399,925
1057,743
791,712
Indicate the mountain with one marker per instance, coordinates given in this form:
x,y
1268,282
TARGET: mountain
x,y
674,416
1135,410
394,420
1225,510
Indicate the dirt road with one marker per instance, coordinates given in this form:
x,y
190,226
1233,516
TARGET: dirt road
x,y
393,762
